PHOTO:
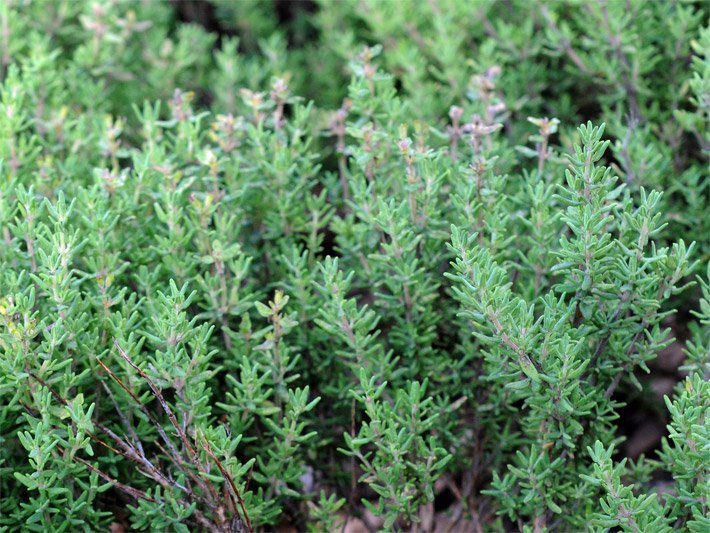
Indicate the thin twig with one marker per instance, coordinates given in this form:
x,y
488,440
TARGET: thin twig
x,y
176,456
564,42
228,477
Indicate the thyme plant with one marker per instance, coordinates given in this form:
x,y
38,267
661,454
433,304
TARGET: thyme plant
x,y
307,264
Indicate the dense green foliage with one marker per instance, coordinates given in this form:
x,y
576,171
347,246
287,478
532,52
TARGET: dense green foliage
x,y
335,260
